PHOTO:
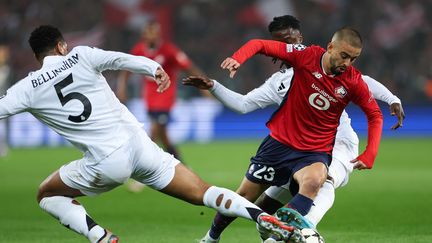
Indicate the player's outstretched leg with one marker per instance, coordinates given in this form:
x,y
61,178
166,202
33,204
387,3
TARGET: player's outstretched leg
x,y
188,186
57,199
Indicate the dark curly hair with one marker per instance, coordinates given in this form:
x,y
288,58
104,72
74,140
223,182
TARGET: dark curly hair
x,y
43,39
284,22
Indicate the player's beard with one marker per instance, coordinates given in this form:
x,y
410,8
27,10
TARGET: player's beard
x,y
334,69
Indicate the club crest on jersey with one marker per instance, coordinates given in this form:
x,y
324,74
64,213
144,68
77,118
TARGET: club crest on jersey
x,y
299,47
340,92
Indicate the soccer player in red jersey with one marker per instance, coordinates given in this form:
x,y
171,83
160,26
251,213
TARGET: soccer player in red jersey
x,y
287,29
305,124
159,105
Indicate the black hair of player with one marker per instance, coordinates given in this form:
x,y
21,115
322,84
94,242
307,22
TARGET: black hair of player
x,y
44,39
284,22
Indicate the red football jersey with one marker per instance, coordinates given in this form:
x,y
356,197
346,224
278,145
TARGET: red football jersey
x,y
172,60
308,117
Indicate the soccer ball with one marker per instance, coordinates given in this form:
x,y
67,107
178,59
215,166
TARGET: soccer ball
x,y
312,236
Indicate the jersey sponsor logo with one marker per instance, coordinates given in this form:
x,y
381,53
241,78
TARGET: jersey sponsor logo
x,y
289,48
299,47
319,102
340,92
323,93
317,75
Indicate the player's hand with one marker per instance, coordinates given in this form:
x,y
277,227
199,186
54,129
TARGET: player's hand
x,y
198,82
359,165
397,110
231,64
162,79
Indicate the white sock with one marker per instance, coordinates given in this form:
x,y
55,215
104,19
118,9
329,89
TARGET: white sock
x,y
279,194
72,215
232,204
322,203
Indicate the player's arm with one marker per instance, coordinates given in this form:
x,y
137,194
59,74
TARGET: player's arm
x,y
258,98
110,60
270,48
363,98
14,101
189,68
380,92
122,81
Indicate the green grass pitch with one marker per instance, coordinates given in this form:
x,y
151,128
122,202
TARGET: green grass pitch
x,y
391,203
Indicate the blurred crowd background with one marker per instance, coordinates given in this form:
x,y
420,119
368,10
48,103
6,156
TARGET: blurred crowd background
x,y
397,34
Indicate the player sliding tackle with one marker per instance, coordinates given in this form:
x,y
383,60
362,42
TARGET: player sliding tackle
x,y
311,173
71,96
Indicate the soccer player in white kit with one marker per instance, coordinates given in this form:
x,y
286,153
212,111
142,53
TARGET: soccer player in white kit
x,y
272,92
70,95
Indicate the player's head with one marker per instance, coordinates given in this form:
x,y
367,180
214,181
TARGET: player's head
x,y
47,40
344,48
151,32
286,29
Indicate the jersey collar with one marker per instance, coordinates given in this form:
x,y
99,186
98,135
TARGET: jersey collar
x,y
322,66
51,59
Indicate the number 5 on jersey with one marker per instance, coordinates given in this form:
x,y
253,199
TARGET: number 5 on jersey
x,y
71,96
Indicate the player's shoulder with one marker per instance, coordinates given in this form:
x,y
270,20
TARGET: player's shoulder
x,y
315,49
368,78
354,74
169,47
306,51
25,84
301,47
282,74
82,51
280,78
168,44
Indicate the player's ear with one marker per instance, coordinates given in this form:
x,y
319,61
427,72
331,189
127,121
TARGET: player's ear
x,y
61,48
330,47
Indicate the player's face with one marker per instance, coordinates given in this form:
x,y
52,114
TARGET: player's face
x,y
289,36
151,33
342,55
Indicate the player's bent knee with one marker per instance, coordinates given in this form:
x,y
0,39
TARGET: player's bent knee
x,y
42,192
312,184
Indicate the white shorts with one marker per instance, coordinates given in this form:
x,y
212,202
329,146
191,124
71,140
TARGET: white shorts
x,y
139,158
343,152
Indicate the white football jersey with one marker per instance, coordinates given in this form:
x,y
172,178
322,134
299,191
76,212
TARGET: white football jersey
x,y
70,95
